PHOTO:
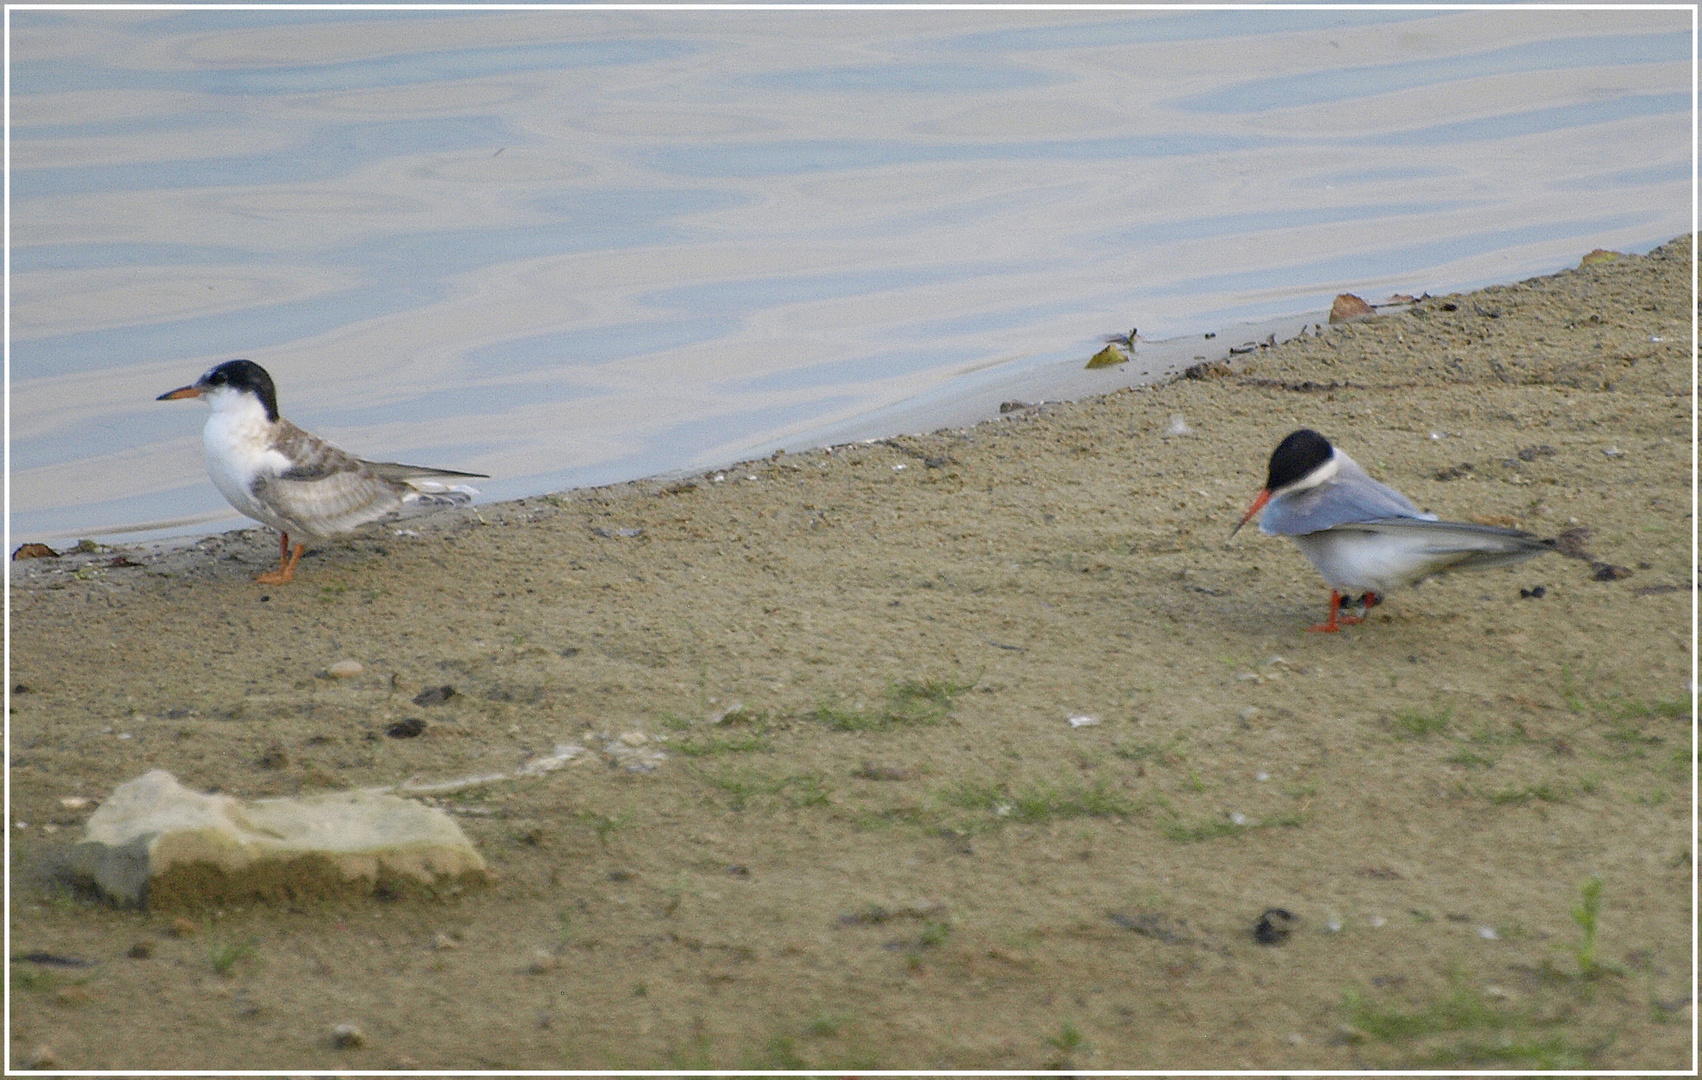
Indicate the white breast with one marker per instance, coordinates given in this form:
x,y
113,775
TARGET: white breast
x,y
238,442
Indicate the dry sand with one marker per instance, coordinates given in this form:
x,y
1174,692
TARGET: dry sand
x,y
896,850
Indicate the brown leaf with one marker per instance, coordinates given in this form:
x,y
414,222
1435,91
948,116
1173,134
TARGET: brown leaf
x,y
1348,307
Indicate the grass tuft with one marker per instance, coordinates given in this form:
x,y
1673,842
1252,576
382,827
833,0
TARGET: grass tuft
x,y
225,955
1410,723
909,703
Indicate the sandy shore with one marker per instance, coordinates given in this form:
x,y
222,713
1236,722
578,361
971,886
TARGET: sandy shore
x,y
850,823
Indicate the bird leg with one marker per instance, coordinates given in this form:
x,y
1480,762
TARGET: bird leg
x,y
285,573
1333,626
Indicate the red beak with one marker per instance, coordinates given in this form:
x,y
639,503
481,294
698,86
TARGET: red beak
x,y
1258,504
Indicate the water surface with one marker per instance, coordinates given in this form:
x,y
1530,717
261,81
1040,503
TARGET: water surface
x,y
571,247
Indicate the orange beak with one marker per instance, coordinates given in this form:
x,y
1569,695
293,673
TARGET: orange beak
x,y
1258,504
180,392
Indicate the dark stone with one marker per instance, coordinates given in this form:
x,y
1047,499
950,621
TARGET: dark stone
x,y
1274,926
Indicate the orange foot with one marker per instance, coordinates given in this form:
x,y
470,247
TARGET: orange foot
x,y
287,559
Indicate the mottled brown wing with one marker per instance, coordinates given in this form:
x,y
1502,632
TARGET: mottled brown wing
x,y
328,491
315,459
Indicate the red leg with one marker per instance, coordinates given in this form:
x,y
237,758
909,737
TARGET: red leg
x,y
1333,626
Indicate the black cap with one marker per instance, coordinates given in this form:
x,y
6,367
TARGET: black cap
x,y
244,375
1296,457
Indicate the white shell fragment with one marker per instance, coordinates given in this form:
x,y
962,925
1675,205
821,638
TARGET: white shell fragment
x,y
1083,721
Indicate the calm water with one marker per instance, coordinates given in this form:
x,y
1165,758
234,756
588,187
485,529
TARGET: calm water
x,y
576,246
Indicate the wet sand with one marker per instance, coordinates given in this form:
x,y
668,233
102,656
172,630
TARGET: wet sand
x,y
832,811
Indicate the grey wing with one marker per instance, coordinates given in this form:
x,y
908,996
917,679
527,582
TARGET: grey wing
x,y
395,470
1459,544
1349,496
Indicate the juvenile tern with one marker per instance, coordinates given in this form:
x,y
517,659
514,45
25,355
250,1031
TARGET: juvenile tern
x,y
1366,538
294,481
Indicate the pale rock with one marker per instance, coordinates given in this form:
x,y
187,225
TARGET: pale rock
x,y
346,669
153,840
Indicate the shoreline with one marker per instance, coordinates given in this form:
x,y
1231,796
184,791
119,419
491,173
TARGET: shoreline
x,y
961,400
987,748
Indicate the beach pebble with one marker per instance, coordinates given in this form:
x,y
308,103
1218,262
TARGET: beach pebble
x,y
76,802
1272,927
347,1037
635,738
436,695
406,729
346,669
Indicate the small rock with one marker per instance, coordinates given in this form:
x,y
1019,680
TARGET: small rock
x,y
1274,926
1531,453
442,942
41,1057
273,758
1083,721
1210,369
347,1037
1334,923
34,551
1349,307
406,729
1488,933
1606,571
436,695
1178,426
541,962
346,669
1013,406
1599,256
75,802
155,836
635,738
